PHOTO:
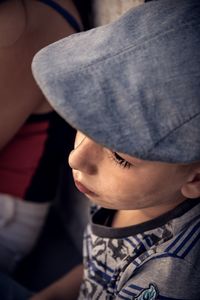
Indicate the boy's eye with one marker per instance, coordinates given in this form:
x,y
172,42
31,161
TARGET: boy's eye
x,y
121,161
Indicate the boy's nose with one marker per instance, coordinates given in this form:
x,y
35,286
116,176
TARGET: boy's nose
x,y
85,156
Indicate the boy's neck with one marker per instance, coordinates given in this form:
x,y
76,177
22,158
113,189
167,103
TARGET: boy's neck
x,y
124,218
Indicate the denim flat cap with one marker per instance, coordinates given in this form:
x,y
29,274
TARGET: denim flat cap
x,y
132,85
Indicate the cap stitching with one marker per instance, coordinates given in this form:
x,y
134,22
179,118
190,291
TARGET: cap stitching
x,y
173,130
138,47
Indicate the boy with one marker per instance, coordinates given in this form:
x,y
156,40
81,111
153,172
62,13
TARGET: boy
x,y
131,89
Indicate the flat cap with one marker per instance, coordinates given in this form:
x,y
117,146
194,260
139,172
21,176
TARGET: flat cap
x,y
132,85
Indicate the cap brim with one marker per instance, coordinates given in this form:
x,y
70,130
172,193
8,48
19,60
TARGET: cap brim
x,y
121,83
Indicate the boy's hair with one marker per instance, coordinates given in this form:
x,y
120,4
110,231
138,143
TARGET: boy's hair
x,y
132,85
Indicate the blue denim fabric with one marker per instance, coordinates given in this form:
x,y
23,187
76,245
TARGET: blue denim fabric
x,y
10,290
132,85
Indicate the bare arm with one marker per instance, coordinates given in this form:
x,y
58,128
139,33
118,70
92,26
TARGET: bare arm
x,y
66,288
22,34
19,96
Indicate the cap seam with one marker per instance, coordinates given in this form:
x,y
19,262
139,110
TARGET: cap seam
x,y
172,131
138,47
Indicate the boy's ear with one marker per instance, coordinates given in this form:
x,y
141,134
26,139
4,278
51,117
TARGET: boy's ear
x,y
191,188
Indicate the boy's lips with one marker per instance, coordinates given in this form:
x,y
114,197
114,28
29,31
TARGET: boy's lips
x,y
83,189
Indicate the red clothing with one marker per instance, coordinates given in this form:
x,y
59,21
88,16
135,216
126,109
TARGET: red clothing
x,y
30,163
20,158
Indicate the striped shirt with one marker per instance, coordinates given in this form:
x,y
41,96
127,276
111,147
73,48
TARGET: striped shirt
x,y
158,259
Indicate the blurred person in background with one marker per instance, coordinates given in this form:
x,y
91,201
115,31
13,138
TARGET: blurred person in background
x,y
31,133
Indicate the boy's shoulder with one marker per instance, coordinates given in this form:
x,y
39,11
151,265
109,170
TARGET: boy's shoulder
x,y
185,242
173,270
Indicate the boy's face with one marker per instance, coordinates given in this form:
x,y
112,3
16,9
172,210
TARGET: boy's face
x,y
122,182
